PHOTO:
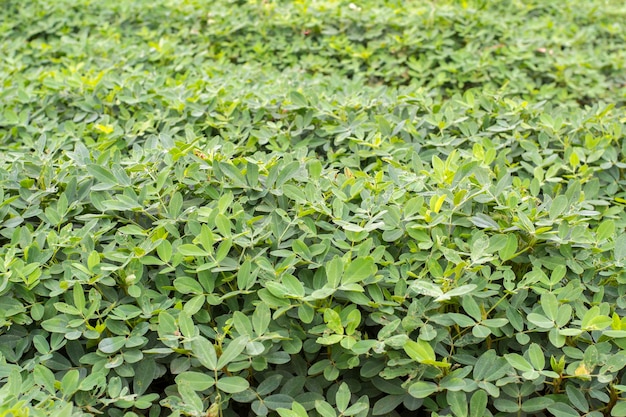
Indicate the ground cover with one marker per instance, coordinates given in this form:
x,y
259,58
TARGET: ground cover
x,y
312,208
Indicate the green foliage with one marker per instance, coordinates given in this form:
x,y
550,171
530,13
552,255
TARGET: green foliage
x,y
303,208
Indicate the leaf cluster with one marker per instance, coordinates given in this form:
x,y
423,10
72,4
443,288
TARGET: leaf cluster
x,y
312,208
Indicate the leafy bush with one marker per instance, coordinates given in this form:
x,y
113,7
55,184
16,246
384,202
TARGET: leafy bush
x,y
312,208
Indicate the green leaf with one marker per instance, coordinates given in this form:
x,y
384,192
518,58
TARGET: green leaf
x,y
196,380
232,350
288,172
540,320
619,409
294,286
535,354
223,250
353,321
550,305
188,249
342,398
190,397
387,404
166,324
261,318
102,175
518,362
66,410
145,372
13,384
478,403
69,383
164,250
358,270
461,319
194,304
205,352
232,384
275,401
593,320
361,406
605,230
225,201
284,412
506,406
223,225
458,403
277,289
420,351
78,297
471,307
577,398
557,274
315,169
298,99
510,248
562,410
325,409
187,285
57,324
591,356
333,321
233,173
558,206
257,348
176,204
306,313
422,389
92,261
484,221
533,405
44,378
427,288
93,380
186,325
252,174
456,292
11,117
269,384
111,344
295,193
495,323
245,279
481,331
242,324
620,247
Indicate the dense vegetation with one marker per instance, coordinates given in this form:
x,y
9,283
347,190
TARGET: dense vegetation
x,y
250,208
